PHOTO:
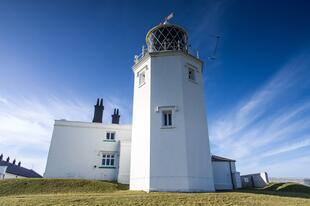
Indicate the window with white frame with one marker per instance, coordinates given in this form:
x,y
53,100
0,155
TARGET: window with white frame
x,y
108,160
167,118
246,179
191,74
141,78
110,136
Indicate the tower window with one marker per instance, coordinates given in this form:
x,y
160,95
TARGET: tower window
x,y
141,78
191,74
110,136
108,160
167,118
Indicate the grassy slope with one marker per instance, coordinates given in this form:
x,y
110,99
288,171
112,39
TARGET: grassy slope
x,y
47,186
83,192
287,187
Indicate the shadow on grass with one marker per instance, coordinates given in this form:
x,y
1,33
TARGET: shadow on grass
x,y
275,193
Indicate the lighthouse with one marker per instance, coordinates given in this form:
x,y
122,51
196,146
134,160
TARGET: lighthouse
x,y
170,144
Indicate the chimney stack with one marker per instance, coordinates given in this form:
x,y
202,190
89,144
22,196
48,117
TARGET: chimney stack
x,y
115,117
14,161
1,157
8,159
19,163
98,111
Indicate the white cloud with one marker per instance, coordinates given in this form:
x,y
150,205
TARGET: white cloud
x,y
3,101
274,120
289,147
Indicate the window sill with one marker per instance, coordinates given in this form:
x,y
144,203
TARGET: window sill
x,y
106,167
108,140
141,85
167,127
192,81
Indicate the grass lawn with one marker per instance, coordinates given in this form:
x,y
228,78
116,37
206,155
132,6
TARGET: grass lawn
x,y
84,192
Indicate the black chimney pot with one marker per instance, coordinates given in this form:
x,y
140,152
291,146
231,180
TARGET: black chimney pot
x,y
115,117
98,111
1,157
14,161
19,163
8,159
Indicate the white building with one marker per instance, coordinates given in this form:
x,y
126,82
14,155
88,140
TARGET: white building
x,y
13,170
167,146
170,144
90,150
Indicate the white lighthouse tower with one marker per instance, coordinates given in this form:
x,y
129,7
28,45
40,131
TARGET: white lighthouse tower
x,y
170,144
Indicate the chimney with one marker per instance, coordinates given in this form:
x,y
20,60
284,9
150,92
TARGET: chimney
x,y
14,161
19,163
8,159
1,157
115,117
98,111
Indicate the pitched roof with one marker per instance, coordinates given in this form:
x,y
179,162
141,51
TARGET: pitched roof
x,y
19,170
221,159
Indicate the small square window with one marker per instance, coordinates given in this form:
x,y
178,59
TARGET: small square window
x,y
191,74
141,78
167,118
110,136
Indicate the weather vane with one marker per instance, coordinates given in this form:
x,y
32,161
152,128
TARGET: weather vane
x,y
170,16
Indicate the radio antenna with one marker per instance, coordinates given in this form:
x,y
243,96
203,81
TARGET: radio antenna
x,y
213,57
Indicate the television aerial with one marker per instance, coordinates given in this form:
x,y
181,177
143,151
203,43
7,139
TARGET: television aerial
x,y
213,56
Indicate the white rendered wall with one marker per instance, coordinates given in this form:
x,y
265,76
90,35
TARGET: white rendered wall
x,y
178,158
124,162
140,139
76,150
222,174
12,176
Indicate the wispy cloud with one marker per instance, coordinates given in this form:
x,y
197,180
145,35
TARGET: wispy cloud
x,y
289,147
26,124
275,120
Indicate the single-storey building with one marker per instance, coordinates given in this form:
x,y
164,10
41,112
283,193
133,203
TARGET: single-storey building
x,y
258,180
224,173
12,170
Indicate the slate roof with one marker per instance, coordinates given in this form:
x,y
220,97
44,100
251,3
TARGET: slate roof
x,y
19,170
221,159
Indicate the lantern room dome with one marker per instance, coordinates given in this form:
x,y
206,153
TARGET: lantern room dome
x,y
167,37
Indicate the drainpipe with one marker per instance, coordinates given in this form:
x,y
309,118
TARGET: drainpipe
x,y
231,175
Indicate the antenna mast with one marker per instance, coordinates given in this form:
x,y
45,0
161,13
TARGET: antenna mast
x,y
213,57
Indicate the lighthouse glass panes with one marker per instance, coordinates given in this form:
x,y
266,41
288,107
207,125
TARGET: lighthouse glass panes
x,y
108,160
167,118
167,38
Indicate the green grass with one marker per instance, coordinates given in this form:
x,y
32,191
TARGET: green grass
x,y
287,187
83,192
48,186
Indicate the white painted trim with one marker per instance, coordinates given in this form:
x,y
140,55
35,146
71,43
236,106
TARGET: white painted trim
x,y
174,108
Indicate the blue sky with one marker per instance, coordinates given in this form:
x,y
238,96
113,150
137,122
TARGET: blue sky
x,y
57,57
